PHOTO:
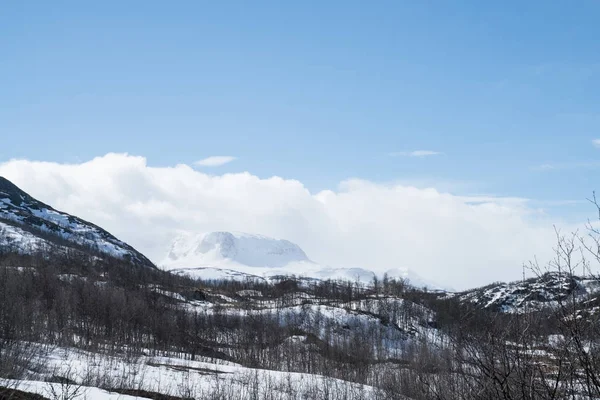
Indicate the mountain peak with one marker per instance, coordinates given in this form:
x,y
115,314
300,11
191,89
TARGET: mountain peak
x,y
243,248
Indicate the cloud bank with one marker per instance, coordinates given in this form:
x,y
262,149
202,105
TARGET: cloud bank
x,y
453,240
214,161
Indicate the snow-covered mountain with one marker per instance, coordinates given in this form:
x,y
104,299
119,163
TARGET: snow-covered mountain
x,y
26,224
241,248
234,255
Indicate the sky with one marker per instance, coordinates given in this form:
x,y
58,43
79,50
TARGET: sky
x,y
354,120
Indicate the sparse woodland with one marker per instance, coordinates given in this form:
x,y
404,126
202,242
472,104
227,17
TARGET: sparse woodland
x,y
401,341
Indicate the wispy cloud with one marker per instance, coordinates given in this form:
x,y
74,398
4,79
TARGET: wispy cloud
x,y
214,161
546,167
567,165
556,203
415,153
596,142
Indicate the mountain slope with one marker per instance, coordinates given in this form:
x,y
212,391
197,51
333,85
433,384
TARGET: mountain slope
x,y
26,224
534,293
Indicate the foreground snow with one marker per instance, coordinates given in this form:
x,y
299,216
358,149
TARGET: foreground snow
x,y
174,376
51,390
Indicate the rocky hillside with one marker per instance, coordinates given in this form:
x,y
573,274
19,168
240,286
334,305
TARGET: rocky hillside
x,y
533,294
26,224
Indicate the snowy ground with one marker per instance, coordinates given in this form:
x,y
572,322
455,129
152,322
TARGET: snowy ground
x,y
211,378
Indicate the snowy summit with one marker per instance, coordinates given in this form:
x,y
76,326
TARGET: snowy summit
x,y
243,248
236,255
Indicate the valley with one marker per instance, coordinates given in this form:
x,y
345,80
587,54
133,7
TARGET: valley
x,y
236,316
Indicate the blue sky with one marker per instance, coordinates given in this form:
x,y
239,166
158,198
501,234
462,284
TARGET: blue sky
x,y
508,93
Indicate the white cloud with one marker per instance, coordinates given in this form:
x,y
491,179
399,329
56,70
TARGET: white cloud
x,y
416,153
545,167
214,161
456,241
596,142
567,166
